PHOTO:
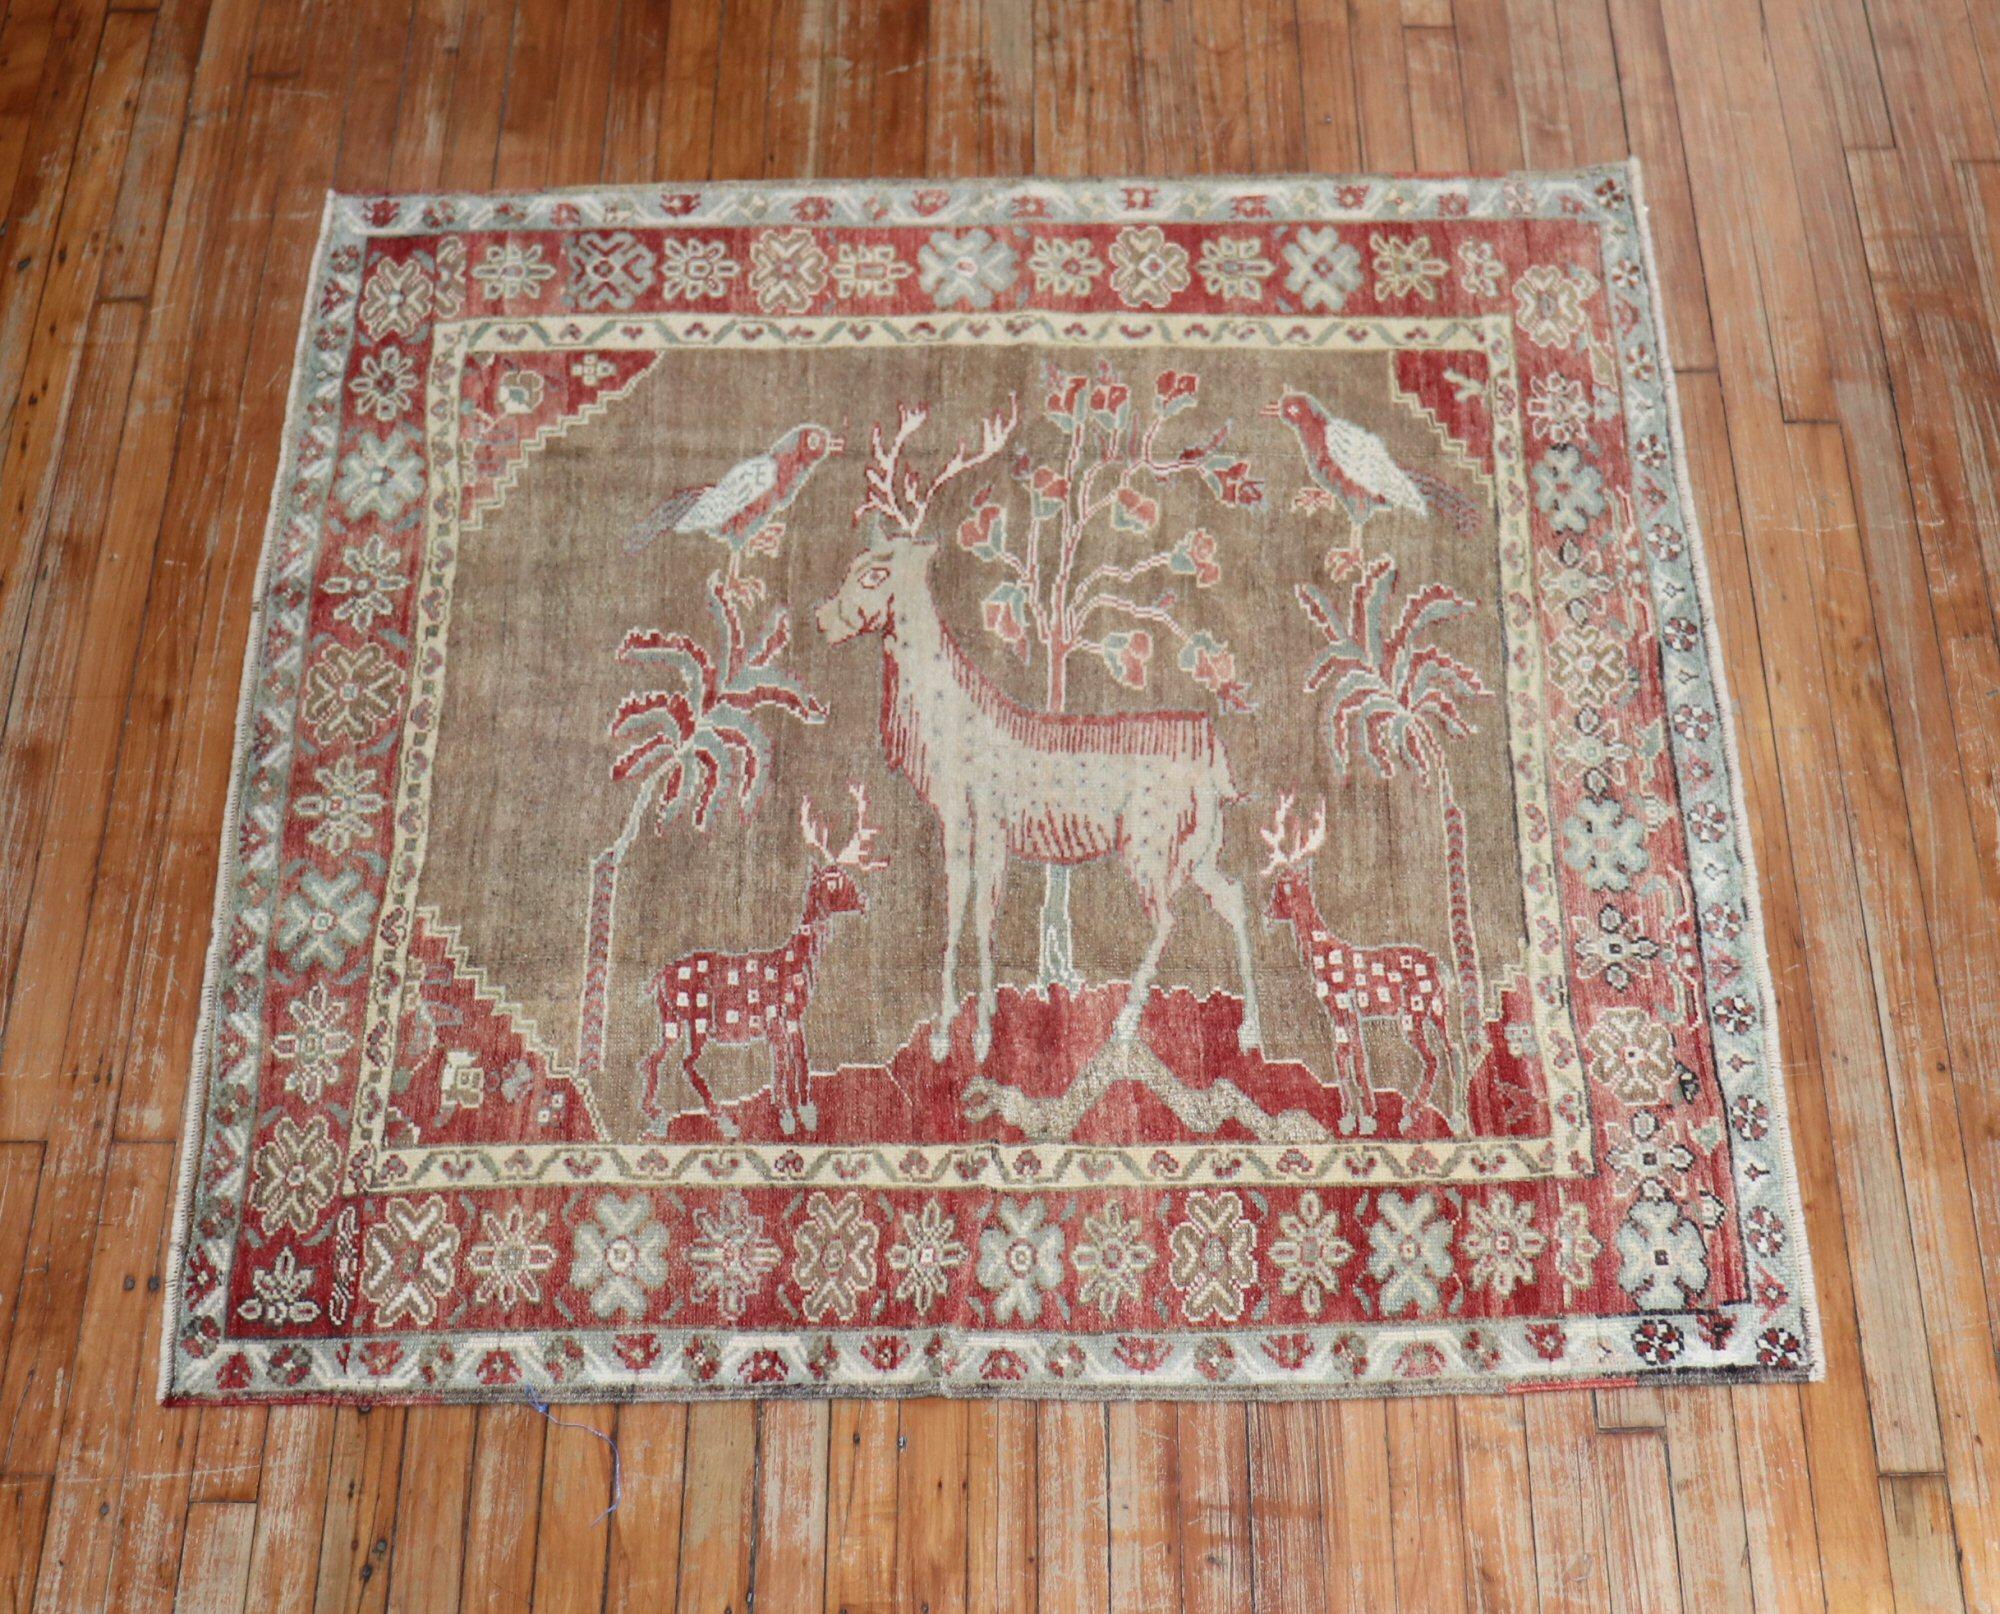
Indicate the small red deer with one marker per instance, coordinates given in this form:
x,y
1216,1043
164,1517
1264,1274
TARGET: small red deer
x,y
1010,782
1356,984
762,997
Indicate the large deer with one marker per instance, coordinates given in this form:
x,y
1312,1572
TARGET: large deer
x,y
762,996
1006,780
1398,983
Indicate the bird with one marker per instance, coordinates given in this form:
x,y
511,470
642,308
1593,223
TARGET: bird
x,y
1351,464
742,508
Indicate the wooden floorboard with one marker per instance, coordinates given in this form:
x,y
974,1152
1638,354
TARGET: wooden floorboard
x,y
1824,187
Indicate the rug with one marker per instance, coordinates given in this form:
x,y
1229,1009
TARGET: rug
x,y
1014,788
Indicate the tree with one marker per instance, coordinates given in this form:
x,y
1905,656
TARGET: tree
x,y
1105,484
688,749
1401,698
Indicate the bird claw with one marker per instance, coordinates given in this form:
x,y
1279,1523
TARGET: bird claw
x,y
1344,558
767,538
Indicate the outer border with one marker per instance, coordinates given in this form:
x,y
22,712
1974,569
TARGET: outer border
x,y
1753,889
344,220
194,1106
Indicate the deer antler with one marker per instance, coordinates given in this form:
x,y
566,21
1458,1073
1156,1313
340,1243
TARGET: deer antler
x,y
859,852
1274,837
896,494
1303,845
813,830
1304,849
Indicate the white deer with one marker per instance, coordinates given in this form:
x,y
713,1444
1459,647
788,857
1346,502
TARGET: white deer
x,y
1007,780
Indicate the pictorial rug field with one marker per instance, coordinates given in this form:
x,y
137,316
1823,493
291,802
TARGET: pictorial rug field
x,y
1006,788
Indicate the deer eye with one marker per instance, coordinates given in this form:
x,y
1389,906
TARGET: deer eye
x,y
874,577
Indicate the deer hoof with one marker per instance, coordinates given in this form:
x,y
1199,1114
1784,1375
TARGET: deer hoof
x,y
726,1124
1249,1038
787,1124
940,1044
1368,1124
809,1117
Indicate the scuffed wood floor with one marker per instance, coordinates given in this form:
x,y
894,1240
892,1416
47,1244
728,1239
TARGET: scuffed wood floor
x,y
1825,179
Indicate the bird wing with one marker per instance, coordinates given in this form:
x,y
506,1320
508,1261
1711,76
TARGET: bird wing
x,y
1367,460
736,492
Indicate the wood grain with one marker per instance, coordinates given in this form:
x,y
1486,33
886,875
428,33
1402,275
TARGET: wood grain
x,y
1823,178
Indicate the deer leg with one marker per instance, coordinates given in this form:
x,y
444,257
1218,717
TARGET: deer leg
x,y
1363,1072
1160,909
957,876
801,1081
781,1083
702,1091
1456,1075
1417,1033
1356,1108
1225,896
989,879
649,1067
801,1075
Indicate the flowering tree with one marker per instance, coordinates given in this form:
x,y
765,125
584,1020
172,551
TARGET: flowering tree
x,y
688,749
1103,485
1401,698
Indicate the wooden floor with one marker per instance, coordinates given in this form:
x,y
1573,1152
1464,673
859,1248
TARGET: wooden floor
x,y
1825,184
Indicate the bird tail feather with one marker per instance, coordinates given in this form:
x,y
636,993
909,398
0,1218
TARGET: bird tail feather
x,y
662,519
1463,513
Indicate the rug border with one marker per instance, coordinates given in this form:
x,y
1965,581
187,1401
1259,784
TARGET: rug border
x,y
194,1103
1753,885
333,228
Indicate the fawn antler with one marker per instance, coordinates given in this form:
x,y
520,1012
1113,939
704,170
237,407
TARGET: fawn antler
x,y
893,495
1303,845
859,852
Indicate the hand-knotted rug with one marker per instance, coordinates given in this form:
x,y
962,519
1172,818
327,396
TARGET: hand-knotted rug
x,y
1106,789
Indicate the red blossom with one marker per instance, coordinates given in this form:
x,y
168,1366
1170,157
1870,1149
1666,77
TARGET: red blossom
x,y
1109,397
885,1352
1004,1366
380,1356
1289,1351
498,1367
1419,1361
1138,1354
1064,391
637,1351
1235,485
764,1367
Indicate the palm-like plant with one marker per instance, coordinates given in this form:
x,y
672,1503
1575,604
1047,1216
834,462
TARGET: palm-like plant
x,y
687,749
700,742
1397,698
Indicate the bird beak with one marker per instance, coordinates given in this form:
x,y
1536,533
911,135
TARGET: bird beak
x,y
837,445
1274,408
